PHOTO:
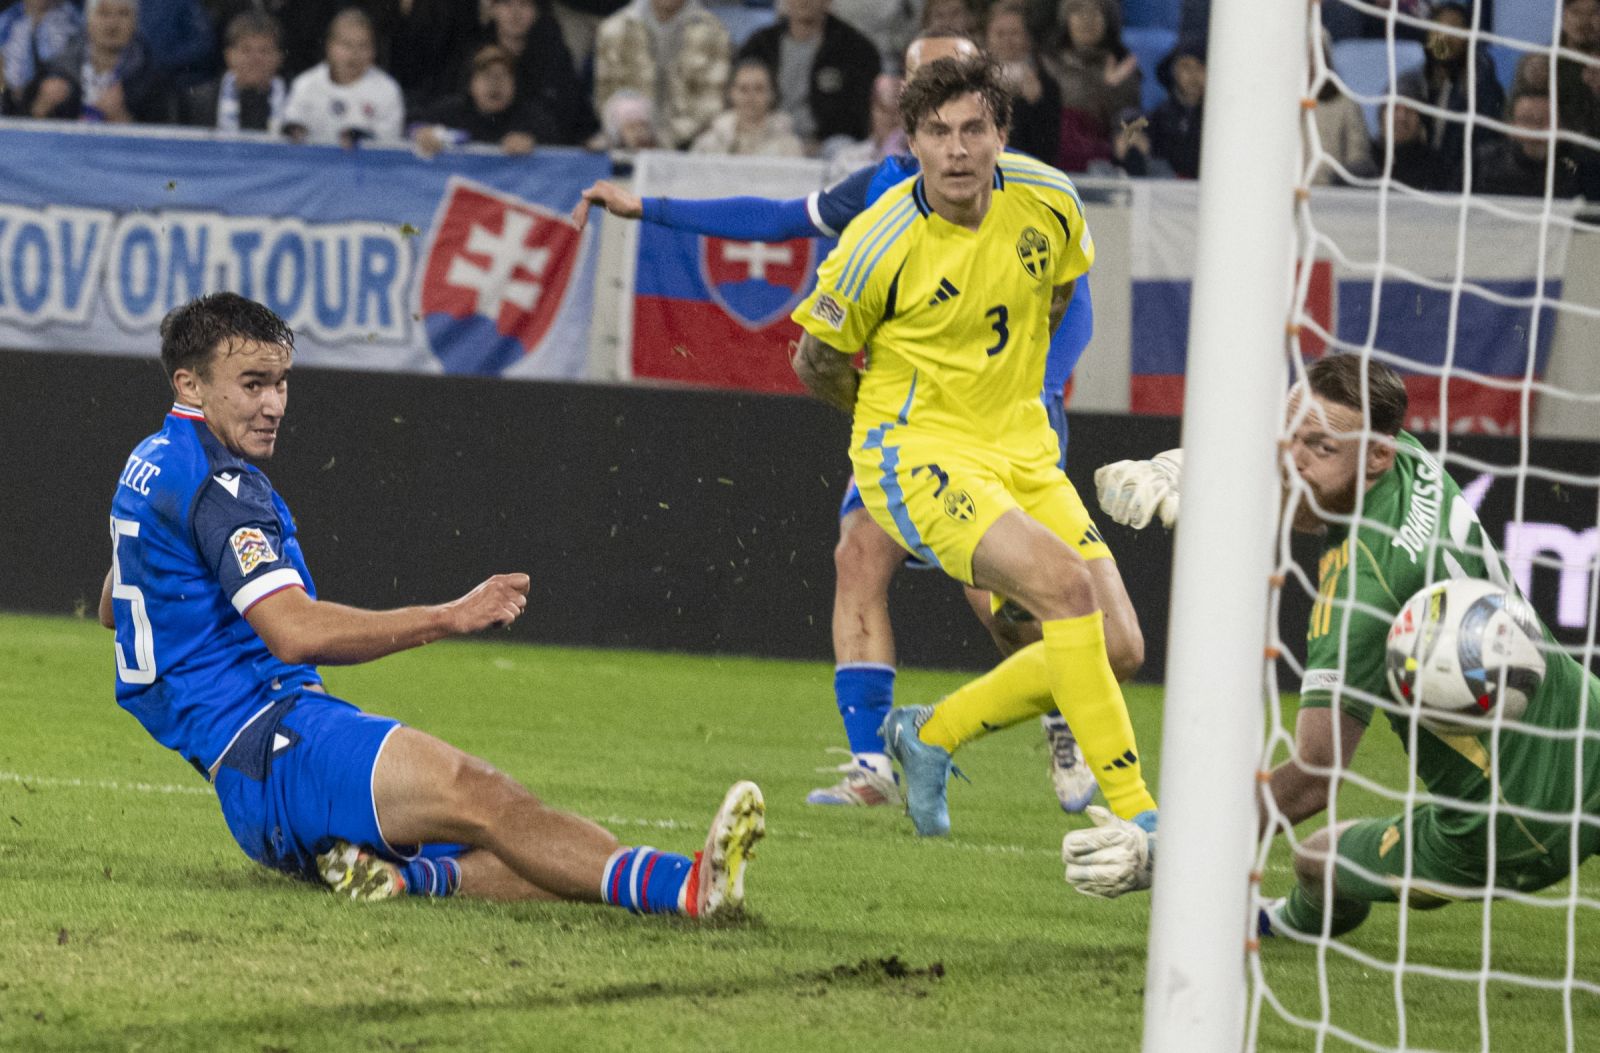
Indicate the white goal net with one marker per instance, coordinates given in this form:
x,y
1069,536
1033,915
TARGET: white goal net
x,y
1455,249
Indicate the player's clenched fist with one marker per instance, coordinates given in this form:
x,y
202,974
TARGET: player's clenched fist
x,y
1133,492
498,601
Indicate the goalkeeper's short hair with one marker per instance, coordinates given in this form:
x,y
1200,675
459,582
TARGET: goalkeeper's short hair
x,y
1342,379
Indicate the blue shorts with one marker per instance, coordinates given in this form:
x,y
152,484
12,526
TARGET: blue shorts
x,y
298,777
1055,407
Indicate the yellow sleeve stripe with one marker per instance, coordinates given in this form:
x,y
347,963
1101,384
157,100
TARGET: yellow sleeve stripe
x,y
865,256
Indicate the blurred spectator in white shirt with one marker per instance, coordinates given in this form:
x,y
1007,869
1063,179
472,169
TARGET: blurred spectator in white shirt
x,y
346,98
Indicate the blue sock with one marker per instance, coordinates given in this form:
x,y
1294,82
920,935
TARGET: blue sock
x,y
865,692
432,877
646,881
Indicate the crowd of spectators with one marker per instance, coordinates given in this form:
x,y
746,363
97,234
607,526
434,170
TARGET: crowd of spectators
x,y
810,77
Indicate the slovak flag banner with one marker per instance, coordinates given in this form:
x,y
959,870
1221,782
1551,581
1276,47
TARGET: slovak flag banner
x,y
496,274
378,259
711,311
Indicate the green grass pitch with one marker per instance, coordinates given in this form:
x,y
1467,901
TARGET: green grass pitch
x,y
129,920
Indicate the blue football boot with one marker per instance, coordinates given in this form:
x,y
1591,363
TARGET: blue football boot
x,y
926,769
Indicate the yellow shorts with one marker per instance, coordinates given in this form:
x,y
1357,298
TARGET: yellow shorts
x,y
938,499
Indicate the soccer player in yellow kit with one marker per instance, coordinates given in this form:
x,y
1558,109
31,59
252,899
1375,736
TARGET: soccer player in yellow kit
x,y
953,282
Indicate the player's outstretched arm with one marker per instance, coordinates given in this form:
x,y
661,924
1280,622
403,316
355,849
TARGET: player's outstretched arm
x,y
826,372
739,218
1134,492
304,631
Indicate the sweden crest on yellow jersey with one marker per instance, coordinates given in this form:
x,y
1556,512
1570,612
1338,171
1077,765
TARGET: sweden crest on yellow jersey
x,y
1033,249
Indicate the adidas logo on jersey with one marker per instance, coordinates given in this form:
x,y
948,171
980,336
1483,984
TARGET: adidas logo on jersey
x,y
947,291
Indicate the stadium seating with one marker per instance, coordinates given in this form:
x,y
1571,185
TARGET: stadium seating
x,y
1150,45
1162,14
1363,65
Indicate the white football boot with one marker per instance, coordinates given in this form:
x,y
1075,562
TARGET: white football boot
x,y
1074,782
716,885
861,785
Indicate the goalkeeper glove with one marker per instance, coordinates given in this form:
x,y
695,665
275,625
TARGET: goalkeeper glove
x,y
1133,492
1111,857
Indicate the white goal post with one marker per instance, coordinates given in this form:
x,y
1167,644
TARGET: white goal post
x,y
1487,301
1233,396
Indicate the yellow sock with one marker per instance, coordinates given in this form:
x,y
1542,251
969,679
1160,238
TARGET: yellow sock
x,y
1013,691
1087,693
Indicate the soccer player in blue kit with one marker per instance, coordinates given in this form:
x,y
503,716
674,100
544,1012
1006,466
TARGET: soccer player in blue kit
x,y
219,631
866,558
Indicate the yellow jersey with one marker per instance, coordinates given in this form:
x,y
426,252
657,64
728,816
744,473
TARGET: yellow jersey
x,y
956,322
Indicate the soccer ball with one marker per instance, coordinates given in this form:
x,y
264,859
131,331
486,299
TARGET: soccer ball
x,y
1463,649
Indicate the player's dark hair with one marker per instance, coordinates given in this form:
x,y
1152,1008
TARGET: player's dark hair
x,y
192,334
950,78
1338,379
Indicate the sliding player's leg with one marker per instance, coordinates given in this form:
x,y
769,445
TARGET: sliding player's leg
x,y
319,789
425,790
437,871
863,647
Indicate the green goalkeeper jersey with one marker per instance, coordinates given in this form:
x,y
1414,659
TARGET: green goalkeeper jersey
x,y
1416,528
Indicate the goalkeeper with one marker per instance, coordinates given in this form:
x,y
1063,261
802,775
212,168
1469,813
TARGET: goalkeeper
x,y
1414,528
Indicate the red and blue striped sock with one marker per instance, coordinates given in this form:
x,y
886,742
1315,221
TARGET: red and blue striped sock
x,y
432,877
647,881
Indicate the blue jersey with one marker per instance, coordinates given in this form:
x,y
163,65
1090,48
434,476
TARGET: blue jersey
x,y
197,537
825,213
